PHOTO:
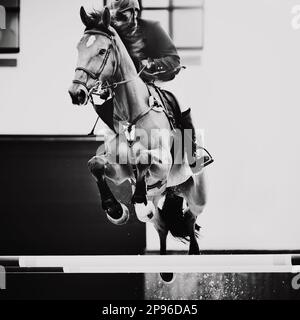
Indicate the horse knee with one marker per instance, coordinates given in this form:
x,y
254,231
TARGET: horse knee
x,y
144,162
101,150
196,209
96,165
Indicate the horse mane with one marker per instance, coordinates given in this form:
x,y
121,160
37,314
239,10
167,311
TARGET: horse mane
x,y
133,43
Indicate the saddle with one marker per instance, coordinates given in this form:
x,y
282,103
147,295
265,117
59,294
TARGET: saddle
x,y
170,104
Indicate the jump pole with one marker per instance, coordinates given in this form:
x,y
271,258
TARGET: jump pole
x,y
238,263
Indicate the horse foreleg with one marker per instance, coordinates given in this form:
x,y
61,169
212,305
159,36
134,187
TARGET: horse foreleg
x,y
142,167
152,164
167,277
116,212
194,193
140,194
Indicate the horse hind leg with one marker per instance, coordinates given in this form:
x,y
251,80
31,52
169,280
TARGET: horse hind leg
x,y
162,231
191,229
116,212
195,195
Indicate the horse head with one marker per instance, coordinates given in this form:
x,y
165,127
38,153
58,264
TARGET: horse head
x,y
96,56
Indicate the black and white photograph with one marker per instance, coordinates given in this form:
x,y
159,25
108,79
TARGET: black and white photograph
x,y
149,152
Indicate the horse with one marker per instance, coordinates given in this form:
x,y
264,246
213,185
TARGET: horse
x,y
104,62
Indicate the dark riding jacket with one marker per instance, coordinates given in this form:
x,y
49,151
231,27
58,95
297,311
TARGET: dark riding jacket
x,y
161,51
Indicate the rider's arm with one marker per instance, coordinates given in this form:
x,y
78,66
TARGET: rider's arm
x,y
163,55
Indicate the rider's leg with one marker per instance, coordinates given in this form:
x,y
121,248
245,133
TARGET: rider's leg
x,y
188,130
189,134
190,142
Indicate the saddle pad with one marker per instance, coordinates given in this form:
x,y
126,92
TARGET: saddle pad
x,y
169,102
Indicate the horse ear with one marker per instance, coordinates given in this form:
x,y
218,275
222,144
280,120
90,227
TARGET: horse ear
x,y
106,19
84,17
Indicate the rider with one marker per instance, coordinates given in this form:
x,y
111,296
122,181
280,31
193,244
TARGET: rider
x,y
160,54
160,57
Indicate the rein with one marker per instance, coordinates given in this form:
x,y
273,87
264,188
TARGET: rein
x,y
116,84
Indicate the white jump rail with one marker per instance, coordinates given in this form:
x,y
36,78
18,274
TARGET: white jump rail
x,y
238,263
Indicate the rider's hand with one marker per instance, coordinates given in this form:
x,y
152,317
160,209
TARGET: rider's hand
x,y
147,63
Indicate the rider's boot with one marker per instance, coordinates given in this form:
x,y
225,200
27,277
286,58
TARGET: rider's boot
x,y
190,143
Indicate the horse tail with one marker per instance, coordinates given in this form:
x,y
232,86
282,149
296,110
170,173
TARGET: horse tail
x,y
176,221
179,228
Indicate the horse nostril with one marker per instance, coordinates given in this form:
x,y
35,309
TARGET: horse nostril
x,y
73,97
81,96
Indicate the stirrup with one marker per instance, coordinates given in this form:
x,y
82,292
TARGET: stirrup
x,y
205,160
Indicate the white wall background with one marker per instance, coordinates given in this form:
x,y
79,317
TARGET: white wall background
x,y
245,95
33,96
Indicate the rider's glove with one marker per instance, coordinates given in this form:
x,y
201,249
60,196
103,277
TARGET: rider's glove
x,y
149,64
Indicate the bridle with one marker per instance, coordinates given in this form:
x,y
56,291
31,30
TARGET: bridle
x,y
93,75
96,89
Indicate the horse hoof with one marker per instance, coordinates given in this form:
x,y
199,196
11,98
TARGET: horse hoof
x,y
124,218
96,166
194,252
168,277
145,213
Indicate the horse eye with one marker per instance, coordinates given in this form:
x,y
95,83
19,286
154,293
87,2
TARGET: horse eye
x,y
102,52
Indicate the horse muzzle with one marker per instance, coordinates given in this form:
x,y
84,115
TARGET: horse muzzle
x,y
79,95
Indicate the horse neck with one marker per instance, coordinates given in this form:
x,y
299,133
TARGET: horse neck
x,y
130,98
